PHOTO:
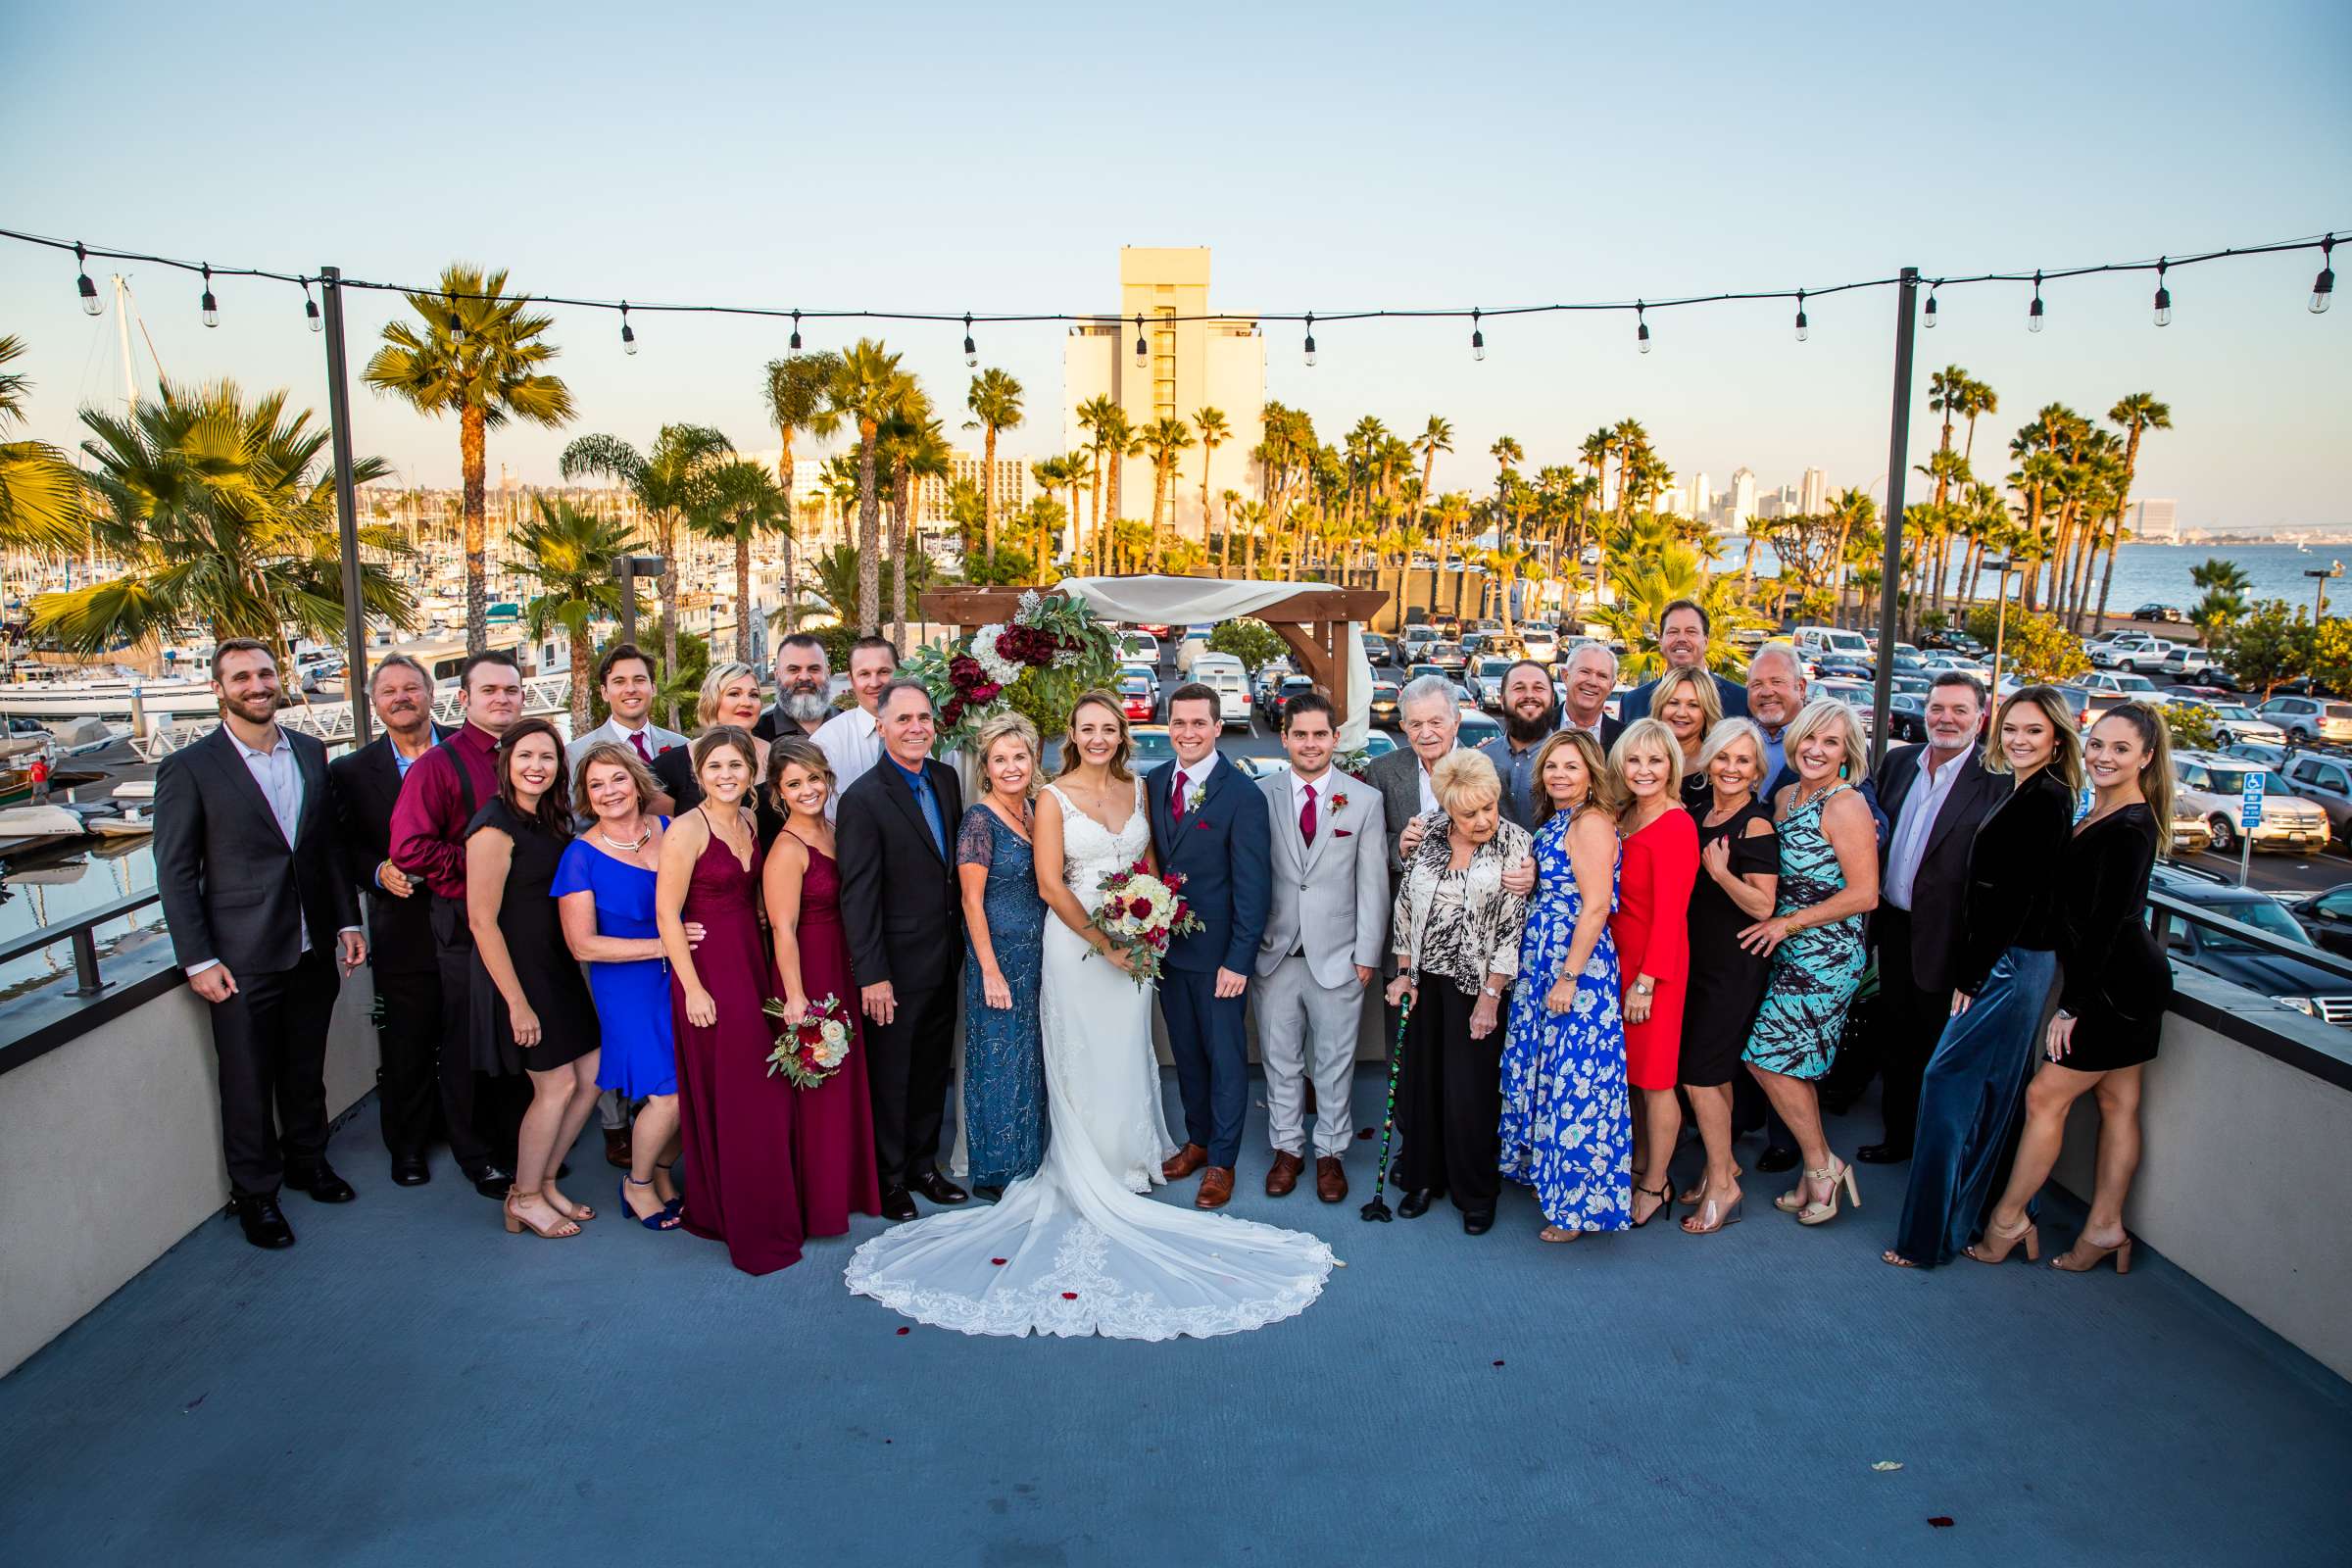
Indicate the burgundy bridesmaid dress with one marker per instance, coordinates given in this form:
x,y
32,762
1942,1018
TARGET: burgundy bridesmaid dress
x,y
833,1143
736,1123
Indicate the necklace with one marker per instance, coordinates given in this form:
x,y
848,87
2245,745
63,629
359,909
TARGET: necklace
x,y
643,839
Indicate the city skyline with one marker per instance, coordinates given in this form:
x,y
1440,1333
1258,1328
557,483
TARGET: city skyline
x,y
1330,205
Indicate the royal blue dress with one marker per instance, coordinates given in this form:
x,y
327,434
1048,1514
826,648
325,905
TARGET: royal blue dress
x,y
1003,1063
632,999
1566,1131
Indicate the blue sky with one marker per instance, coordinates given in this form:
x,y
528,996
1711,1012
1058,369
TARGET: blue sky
x,y
955,157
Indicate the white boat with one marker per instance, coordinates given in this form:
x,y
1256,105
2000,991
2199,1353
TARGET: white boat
x,y
122,699
130,826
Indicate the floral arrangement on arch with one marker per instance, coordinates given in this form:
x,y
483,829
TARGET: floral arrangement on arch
x,y
1036,665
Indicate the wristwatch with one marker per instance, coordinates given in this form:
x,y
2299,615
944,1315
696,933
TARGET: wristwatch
x,y
1642,988
1490,993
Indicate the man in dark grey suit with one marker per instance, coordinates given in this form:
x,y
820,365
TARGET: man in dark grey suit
x,y
1683,632
256,897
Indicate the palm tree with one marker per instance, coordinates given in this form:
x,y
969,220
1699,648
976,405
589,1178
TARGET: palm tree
x,y
1506,564
1643,591
995,400
2138,413
1163,439
1436,436
1095,418
838,579
1214,433
795,392
1851,510
865,388
41,493
573,556
222,526
1451,515
479,356
670,483
1248,517
914,450
1629,442
745,501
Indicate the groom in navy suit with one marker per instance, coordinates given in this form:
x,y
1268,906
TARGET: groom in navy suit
x,y
1211,829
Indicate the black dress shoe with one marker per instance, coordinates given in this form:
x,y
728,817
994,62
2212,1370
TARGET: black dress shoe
x,y
897,1205
1777,1159
321,1183
411,1171
939,1189
1477,1224
1416,1203
988,1189
264,1225
492,1181
1883,1154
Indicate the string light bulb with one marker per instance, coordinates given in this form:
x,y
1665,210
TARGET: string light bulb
x,y
796,331
2323,287
1929,321
83,284
456,327
971,354
1640,327
1478,338
2034,311
1143,350
212,305
628,333
2164,296
1803,331
1310,340
309,308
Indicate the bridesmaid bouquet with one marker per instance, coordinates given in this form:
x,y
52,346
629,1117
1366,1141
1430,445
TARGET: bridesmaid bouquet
x,y
813,1050
1140,912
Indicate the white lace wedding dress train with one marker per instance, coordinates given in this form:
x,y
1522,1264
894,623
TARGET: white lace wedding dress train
x,y
1076,1248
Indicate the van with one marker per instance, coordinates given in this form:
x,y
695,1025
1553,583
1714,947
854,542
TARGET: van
x,y
1826,642
1223,674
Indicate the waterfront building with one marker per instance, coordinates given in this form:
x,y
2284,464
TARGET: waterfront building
x,y
1813,494
1743,496
2156,522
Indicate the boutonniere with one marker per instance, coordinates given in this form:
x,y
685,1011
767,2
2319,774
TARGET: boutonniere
x,y
1338,802
1193,796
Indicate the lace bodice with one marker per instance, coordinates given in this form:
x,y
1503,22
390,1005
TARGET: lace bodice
x,y
1089,852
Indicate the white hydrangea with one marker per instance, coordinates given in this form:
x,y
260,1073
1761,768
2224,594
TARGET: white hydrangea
x,y
1003,672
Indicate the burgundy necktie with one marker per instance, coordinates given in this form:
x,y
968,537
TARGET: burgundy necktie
x,y
1176,797
639,739
1306,816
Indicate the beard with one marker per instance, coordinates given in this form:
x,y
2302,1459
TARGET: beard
x,y
1527,729
804,707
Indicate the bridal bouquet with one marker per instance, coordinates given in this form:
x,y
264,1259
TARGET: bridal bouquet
x,y
813,1050
1140,912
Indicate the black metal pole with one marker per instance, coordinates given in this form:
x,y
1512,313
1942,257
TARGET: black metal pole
x,y
1898,444
629,599
347,512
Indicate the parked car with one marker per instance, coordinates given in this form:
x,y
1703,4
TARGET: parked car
x,y
1839,667
1859,696
1485,680
1190,646
2326,782
1413,672
1222,674
1540,643
2192,833
1382,712
2135,652
1477,729
1907,716
1377,650
2310,718
1416,637
2305,988
1147,673
2326,918
2173,612
1291,686
1447,657
2234,723
1820,643
2114,690
1140,647
2214,785
2185,664
1136,700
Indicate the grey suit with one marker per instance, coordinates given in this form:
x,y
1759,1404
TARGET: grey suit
x,y
1397,778
1328,914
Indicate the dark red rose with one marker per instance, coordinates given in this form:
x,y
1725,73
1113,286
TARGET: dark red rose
x,y
1139,908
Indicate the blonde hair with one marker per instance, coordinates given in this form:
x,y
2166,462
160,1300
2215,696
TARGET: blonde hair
x,y
1000,726
2065,741
705,708
2156,773
1646,732
1467,775
1710,700
1812,716
796,751
1097,697
613,754
1723,735
1601,785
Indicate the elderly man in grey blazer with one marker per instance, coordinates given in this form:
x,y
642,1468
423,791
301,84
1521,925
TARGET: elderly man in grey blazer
x,y
1321,946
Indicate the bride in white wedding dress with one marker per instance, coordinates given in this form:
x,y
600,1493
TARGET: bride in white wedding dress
x,y
1077,1248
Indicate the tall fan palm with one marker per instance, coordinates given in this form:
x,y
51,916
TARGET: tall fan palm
x,y
41,493
795,392
995,400
1505,452
745,501
1163,441
481,356
866,389
671,483
1436,436
225,524
2138,413
573,557
1214,433
1095,416
912,450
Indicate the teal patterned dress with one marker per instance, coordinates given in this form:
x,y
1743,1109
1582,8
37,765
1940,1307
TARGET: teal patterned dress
x,y
1003,1062
1814,972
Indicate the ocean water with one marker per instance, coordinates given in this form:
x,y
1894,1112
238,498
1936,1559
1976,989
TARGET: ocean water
x,y
2159,573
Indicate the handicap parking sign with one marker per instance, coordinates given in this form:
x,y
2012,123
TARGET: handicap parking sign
x,y
2249,812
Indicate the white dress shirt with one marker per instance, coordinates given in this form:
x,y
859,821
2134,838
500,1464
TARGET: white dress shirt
x,y
1916,821
657,740
279,776
1195,775
1320,789
1421,772
853,744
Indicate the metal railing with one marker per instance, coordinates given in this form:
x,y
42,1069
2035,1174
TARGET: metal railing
x,y
81,932
332,721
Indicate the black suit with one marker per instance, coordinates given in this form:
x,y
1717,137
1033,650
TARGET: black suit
x,y
1919,949
401,953
903,912
236,892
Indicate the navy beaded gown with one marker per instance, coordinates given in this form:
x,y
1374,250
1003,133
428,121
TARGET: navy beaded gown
x,y
1003,1063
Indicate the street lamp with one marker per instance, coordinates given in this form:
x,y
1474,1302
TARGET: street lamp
x,y
2000,616
628,568
2336,568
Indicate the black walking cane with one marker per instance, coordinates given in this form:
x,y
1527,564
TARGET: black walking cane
x,y
1378,1208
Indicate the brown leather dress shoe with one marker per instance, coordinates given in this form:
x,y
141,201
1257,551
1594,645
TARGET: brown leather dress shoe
x,y
1216,1188
1331,1178
1285,1174
1190,1159
616,1146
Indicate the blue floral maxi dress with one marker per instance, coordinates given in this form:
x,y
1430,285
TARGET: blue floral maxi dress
x,y
1814,972
1003,1063
1566,1131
